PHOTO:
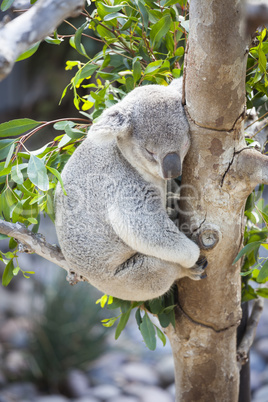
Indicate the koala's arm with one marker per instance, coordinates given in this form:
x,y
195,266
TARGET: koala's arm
x,y
147,229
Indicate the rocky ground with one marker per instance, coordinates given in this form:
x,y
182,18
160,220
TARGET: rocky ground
x,y
125,371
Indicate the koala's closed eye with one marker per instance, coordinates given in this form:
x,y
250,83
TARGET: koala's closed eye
x,y
150,154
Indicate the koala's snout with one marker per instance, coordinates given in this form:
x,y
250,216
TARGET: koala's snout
x,y
171,166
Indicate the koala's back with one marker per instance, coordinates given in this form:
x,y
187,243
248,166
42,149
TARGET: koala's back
x,y
91,179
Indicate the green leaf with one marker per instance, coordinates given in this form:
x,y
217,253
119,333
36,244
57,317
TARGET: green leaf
x,y
60,125
122,323
263,292
12,243
136,70
104,33
262,61
4,171
87,70
57,174
64,141
5,146
29,52
32,220
263,274
17,211
161,335
164,320
16,271
248,294
152,67
156,306
138,317
6,4
9,155
17,127
53,41
8,273
112,16
125,305
77,39
148,332
37,173
73,133
168,309
247,249
112,9
109,322
160,29
16,174
144,13
102,301
115,304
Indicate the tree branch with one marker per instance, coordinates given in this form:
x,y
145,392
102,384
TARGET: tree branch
x,y
33,243
34,25
247,340
252,166
256,16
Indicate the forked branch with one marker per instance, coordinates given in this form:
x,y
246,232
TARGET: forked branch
x,y
251,167
33,243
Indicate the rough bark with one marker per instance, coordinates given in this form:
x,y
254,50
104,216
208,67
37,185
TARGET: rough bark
x,y
218,174
30,242
34,25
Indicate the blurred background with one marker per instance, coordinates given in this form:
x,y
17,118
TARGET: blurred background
x,y
53,347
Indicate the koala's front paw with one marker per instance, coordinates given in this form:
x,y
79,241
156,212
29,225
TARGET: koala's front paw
x,y
197,271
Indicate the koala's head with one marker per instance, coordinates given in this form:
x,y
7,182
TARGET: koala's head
x,y
150,128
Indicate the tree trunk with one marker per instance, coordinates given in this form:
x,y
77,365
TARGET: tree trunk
x,y
218,175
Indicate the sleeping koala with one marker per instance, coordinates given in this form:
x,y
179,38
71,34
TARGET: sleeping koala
x,y
112,226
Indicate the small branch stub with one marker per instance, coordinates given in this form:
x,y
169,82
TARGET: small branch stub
x,y
207,237
72,278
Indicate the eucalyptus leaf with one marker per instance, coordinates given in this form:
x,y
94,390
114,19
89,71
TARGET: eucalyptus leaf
x,y
122,323
161,336
9,155
6,4
57,174
160,29
16,174
29,52
77,39
37,173
17,127
247,249
8,273
263,274
5,146
148,332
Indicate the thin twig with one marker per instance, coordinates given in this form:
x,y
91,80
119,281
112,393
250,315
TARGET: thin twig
x,y
248,338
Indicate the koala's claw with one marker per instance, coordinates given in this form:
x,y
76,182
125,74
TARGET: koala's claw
x,y
197,271
202,262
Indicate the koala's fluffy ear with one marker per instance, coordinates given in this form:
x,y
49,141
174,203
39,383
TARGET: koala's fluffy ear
x,y
177,84
113,123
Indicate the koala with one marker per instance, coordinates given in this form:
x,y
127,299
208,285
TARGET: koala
x,y
112,226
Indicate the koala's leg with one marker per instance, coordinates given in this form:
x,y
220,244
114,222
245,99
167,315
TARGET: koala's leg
x,y
143,277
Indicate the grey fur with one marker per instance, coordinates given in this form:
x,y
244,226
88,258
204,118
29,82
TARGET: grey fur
x,y
112,226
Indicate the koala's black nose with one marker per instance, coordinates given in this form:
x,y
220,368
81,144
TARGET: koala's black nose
x,y
171,166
